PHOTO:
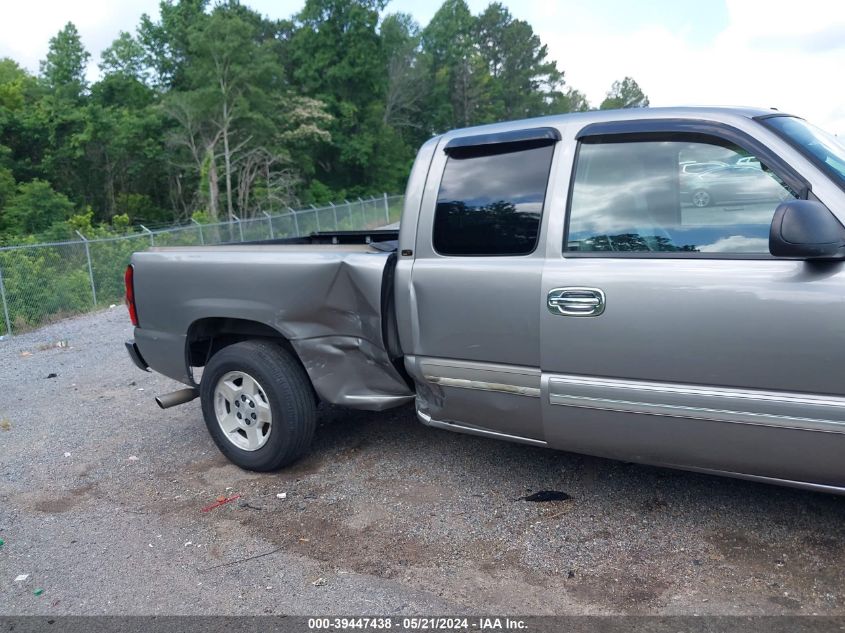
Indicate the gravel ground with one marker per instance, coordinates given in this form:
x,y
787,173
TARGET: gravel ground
x,y
101,496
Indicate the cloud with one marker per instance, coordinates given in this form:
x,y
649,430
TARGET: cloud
x,y
26,27
828,39
768,55
737,244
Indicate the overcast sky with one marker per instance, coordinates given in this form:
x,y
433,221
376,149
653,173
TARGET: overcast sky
x,y
770,53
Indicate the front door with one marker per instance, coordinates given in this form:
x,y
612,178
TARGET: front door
x,y
670,335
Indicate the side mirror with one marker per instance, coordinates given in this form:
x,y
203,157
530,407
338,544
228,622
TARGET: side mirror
x,y
806,229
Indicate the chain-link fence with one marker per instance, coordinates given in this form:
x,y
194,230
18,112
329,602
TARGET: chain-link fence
x,y
40,283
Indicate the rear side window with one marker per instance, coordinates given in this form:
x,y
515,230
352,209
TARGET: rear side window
x,y
491,204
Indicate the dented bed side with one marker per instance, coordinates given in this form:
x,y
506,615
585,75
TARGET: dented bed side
x,y
326,300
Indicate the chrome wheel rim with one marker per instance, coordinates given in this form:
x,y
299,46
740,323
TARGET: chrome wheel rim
x,y
701,198
243,411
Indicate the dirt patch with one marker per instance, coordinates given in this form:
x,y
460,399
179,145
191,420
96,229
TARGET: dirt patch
x,y
57,503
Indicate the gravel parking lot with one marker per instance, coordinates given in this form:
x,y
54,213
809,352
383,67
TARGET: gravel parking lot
x,y
101,499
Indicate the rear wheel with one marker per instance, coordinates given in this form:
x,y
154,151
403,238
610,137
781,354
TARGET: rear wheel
x,y
258,405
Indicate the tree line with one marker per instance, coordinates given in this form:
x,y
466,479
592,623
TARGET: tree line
x,y
210,111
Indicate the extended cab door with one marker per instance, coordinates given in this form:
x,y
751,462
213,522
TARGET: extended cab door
x,y
669,333
473,345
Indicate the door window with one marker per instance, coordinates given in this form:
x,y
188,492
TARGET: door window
x,y
491,204
671,196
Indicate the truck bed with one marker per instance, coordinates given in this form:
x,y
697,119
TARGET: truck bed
x,y
328,295
381,239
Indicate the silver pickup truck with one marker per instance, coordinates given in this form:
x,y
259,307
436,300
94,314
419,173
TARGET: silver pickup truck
x,y
663,286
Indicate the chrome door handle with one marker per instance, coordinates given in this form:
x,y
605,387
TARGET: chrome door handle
x,y
576,301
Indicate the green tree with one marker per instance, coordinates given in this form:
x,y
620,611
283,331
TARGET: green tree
x,y
34,208
238,125
457,73
624,94
54,123
124,150
524,83
122,138
16,86
57,115
125,57
569,100
23,133
14,83
7,183
64,68
406,85
338,57
233,77
166,41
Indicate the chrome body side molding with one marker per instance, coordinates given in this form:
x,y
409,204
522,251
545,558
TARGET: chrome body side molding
x,y
789,483
510,379
714,404
470,430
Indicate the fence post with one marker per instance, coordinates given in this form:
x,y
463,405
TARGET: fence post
x,y
349,212
146,230
270,224
295,221
5,305
90,267
316,217
199,226
334,211
363,215
240,228
386,209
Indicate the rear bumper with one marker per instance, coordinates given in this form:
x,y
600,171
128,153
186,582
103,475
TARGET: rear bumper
x,y
135,355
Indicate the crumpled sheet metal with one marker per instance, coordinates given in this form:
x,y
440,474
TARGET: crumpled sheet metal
x,y
352,369
325,299
352,372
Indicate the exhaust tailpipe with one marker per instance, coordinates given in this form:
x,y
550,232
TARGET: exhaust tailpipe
x,y
176,397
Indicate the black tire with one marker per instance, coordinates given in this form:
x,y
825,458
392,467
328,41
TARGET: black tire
x,y
289,394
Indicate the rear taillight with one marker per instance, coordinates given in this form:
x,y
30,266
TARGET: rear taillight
x,y
129,278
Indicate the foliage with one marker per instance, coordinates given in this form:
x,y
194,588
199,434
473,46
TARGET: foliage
x,y
44,281
34,208
625,94
524,81
125,58
64,68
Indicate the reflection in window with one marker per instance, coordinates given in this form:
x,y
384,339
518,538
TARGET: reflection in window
x,y
827,150
492,204
672,196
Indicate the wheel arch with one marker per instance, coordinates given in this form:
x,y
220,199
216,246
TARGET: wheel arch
x,y
343,369
209,335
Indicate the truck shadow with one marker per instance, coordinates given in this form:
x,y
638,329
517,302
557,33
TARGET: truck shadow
x,y
384,495
391,433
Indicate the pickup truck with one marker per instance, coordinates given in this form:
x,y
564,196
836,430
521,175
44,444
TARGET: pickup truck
x,y
559,281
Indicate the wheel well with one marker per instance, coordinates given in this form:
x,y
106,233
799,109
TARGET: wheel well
x,y
206,337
